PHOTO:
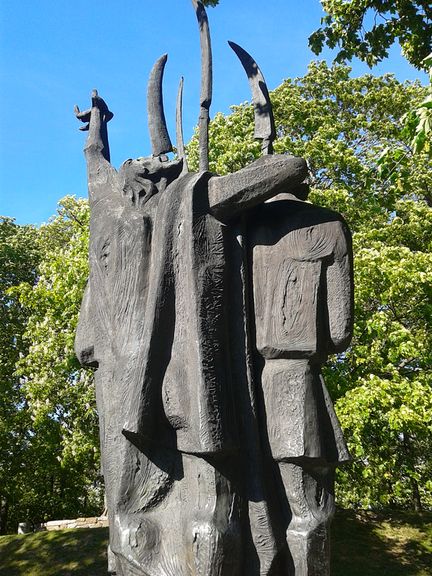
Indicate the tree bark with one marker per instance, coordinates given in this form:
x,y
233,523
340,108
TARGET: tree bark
x,y
416,500
4,512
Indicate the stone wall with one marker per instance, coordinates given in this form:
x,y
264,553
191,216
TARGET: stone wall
x,y
92,522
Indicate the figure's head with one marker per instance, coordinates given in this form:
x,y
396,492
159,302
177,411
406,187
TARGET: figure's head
x,y
144,177
301,191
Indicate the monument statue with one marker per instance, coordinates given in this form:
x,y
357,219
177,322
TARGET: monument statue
x,y
211,305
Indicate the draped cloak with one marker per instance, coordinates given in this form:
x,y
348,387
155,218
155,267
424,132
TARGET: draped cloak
x,y
182,393
192,375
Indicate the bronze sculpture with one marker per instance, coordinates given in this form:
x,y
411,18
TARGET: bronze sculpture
x,y
177,317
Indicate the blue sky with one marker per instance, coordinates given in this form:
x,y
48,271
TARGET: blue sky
x,y
52,54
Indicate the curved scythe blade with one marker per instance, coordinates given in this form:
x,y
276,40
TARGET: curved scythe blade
x,y
264,122
159,137
206,83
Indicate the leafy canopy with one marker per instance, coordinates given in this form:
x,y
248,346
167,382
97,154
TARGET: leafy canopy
x,y
367,29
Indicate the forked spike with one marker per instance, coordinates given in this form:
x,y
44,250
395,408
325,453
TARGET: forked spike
x,y
159,137
206,83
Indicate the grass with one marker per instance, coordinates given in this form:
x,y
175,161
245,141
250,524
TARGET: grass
x,y
368,544
364,544
80,552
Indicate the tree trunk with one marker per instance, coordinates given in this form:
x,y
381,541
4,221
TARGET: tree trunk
x,y
416,500
4,511
410,458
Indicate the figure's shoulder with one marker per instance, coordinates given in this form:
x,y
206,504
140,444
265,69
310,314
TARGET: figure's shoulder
x,y
287,210
303,228
327,213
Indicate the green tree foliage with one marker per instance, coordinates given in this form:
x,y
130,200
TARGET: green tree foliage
x,y
418,122
383,384
52,469
18,262
367,29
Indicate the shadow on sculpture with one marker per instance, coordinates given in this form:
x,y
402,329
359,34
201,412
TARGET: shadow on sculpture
x,y
208,313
